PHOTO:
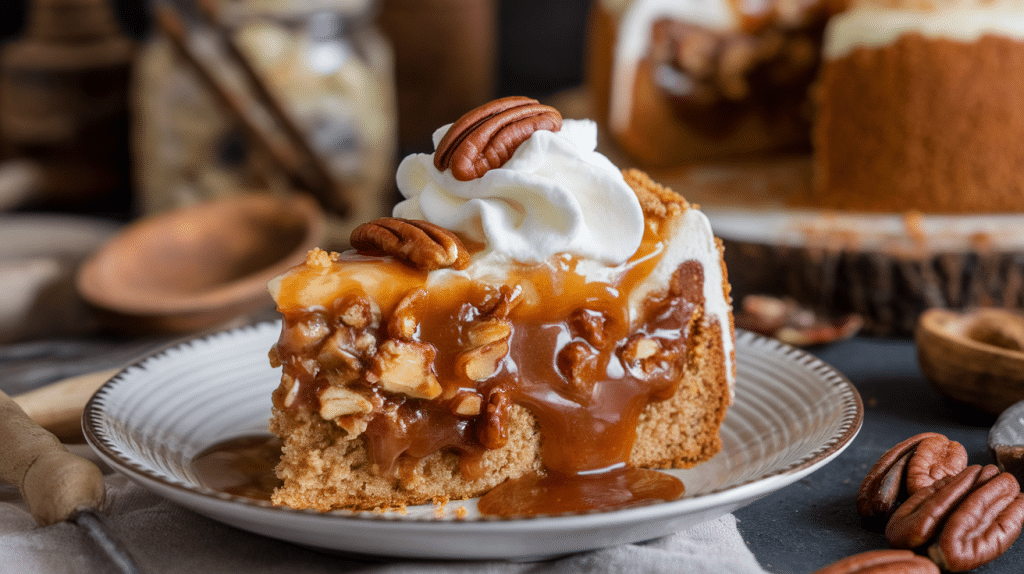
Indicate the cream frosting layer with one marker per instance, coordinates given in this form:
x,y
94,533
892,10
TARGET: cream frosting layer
x,y
872,26
556,194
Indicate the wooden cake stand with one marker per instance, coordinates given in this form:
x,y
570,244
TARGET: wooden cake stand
x,y
887,267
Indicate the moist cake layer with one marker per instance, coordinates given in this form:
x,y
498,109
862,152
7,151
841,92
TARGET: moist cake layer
x,y
922,123
683,81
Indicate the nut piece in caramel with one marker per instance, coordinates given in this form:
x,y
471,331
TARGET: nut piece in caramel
x,y
405,367
340,401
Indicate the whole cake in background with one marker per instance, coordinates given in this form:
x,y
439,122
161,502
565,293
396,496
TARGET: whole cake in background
x,y
531,317
678,81
920,108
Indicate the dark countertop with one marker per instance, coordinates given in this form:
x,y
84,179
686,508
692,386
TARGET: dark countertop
x,y
814,522
796,530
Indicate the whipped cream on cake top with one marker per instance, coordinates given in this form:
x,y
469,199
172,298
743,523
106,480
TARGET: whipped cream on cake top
x,y
556,194
876,24
556,203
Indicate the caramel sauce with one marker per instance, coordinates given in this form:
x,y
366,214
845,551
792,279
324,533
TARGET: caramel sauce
x,y
557,494
588,418
243,466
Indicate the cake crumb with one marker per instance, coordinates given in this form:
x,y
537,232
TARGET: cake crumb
x,y
318,258
461,512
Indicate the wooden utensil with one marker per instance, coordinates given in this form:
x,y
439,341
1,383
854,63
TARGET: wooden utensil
x,y
57,407
197,267
975,357
55,484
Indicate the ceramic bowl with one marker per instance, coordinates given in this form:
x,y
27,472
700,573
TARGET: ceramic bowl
x,y
974,357
198,267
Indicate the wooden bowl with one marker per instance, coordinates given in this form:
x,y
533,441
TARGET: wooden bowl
x,y
198,267
974,357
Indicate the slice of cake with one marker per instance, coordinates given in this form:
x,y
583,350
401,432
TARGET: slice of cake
x,y
680,81
530,313
920,108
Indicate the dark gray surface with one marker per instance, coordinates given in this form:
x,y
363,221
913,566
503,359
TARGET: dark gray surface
x,y
814,522
797,530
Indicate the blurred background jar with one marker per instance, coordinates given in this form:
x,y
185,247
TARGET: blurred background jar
x,y
63,104
323,61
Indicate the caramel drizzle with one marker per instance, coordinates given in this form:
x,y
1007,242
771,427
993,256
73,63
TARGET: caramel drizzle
x,y
588,422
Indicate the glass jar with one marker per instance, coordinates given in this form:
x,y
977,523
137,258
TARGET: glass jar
x,y
323,60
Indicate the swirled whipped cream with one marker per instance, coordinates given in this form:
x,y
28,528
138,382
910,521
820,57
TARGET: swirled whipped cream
x,y
556,194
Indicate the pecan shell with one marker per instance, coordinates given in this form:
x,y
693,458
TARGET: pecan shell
x,y
983,526
486,137
420,243
882,562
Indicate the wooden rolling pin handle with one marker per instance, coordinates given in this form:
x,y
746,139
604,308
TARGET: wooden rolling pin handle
x,y
57,407
53,482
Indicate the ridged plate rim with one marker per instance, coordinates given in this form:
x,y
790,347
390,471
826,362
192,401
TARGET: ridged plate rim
x,y
822,382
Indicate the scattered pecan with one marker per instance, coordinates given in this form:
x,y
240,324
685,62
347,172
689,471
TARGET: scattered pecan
x,y
486,137
934,458
881,488
918,519
983,526
424,245
882,562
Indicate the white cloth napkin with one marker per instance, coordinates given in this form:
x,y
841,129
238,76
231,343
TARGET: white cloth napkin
x,y
166,538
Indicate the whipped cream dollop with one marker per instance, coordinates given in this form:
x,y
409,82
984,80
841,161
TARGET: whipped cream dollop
x,y
556,194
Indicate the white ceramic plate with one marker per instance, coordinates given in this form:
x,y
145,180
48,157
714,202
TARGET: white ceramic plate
x,y
792,414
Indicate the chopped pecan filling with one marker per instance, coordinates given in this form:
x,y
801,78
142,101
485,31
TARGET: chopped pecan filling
x,y
440,369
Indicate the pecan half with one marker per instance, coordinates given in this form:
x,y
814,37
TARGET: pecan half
x,y
983,526
422,244
486,137
934,458
882,562
918,519
883,483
